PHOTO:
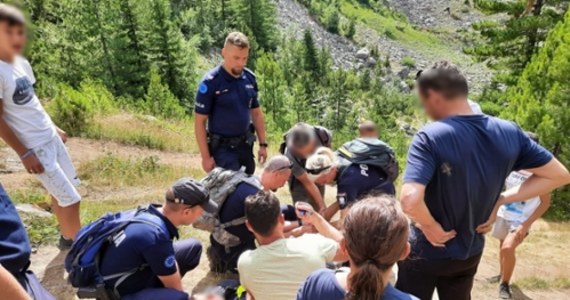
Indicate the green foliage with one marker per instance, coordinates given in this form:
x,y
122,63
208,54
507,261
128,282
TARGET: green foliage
x,y
409,62
351,30
332,20
159,101
540,102
508,44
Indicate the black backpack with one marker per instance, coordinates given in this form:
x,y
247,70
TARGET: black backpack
x,y
371,152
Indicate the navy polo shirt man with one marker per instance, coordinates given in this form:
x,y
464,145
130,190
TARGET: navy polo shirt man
x,y
150,247
273,177
227,111
454,177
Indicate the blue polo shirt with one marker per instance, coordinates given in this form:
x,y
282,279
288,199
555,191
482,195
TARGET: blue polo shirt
x,y
357,180
463,161
323,285
227,101
14,244
142,244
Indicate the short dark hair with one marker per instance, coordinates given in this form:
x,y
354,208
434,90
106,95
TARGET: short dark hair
x,y
300,135
12,15
262,211
443,77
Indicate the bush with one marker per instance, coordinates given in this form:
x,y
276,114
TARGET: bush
x,y
159,100
332,20
409,62
389,33
71,111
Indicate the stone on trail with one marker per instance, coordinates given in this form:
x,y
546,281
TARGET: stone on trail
x,y
30,209
363,54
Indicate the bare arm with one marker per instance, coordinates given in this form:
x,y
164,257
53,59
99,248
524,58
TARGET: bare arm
x,y
200,120
10,287
173,281
313,191
413,204
259,124
540,210
29,159
323,227
543,181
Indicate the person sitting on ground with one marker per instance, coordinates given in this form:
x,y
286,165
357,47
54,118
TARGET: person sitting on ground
x,y
16,281
368,129
353,180
512,225
300,142
376,232
279,265
162,263
274,176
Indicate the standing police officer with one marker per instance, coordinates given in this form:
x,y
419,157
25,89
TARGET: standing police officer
x,y
227,102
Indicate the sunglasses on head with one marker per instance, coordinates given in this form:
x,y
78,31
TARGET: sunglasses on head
x,y
317,171
290,166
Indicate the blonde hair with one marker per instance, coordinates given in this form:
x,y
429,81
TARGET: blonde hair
x,y
237,39
323,159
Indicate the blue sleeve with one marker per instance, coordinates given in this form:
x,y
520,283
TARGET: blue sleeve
x,y
160,257
348,185
319,286
204,98
532,155
421,160
255,102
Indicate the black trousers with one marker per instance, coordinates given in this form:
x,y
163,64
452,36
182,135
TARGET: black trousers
x,y
452,278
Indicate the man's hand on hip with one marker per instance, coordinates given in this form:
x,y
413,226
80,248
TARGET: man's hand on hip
x,y
435,234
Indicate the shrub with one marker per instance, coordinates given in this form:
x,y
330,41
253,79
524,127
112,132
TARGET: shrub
x,y
389,33
159,100
409,62
71,110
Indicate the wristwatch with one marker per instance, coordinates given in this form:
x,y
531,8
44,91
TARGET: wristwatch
x,y
265,145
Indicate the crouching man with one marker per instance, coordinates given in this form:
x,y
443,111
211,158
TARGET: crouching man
x,y
149,246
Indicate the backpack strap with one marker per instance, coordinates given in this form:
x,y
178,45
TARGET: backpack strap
x,y
234,222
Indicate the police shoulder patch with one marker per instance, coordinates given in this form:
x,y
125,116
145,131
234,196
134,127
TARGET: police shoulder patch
x,y
203,88
170,261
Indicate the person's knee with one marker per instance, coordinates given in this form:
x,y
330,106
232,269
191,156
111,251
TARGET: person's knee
x,y
188,253
508,247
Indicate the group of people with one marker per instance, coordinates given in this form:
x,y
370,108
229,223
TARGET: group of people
x,y
452,194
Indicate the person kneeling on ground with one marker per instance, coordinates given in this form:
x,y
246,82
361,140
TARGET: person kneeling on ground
x,y
375,238
149,247
274,176
512,225
279,265
353,180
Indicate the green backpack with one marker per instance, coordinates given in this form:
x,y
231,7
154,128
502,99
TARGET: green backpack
x,y
372,152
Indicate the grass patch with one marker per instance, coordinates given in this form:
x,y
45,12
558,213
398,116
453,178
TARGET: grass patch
x,y
538,283
400,30
145,131
112,171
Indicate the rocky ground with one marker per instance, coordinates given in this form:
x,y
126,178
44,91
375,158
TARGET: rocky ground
x,y
438,13
295,18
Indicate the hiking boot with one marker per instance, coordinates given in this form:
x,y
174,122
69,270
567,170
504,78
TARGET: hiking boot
x,y
216,263
494,279
64,244
505,291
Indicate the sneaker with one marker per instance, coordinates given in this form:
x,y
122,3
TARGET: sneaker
x,y
64,244
494,279
505,291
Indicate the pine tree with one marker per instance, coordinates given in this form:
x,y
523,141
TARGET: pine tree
x,y
272,91
540,102
159,101
259,18
130,59
311,57
508,45
166,47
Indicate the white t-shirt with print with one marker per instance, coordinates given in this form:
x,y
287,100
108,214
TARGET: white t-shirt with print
x,y
23,111
518,211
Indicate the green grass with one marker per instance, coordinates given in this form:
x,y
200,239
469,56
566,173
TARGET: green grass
x,y
145,131
397,28
111,171
538,283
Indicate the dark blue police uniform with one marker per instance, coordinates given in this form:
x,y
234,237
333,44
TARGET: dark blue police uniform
x,y
234,208
228,101
150,246
357,180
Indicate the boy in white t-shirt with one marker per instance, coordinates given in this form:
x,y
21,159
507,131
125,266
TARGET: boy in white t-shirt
x,y
26,127
512,225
